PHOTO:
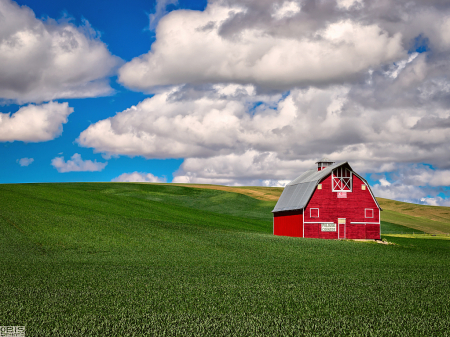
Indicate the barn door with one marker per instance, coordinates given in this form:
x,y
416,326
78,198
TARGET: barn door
x,y
342,228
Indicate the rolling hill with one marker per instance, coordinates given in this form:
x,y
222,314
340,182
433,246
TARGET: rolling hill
x,y
123,259
395,217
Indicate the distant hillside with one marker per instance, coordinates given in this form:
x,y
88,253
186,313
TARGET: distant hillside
x,y
428,219
257,192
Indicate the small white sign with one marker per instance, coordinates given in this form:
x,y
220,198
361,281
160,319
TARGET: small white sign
x,y
329,227
342,194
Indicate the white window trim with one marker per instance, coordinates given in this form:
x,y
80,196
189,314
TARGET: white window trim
x,y
351,181
345,228
365,213
310,215
303,220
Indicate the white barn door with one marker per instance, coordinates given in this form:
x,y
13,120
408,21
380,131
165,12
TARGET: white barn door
x,y
342,228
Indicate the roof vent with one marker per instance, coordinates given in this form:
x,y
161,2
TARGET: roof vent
x,y
323,163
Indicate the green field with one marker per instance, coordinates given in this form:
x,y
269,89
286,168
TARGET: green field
x,y
119,259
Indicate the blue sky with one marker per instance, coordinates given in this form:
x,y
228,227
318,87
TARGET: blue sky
x,y
124,28
226,92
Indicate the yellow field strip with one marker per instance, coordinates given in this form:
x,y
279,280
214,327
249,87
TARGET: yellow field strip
x,y
260,193
421,236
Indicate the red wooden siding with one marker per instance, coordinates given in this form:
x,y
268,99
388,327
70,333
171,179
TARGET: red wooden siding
x,y
311,230
353,209
356,231
288,224
373,231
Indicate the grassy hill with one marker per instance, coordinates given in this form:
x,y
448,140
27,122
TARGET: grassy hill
x,y
119,259
397,216
429,219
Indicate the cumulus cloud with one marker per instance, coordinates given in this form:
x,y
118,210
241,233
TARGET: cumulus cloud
x,y
411,194
438,201
249,168
34,123
140,177
262,89
297,126
25,161
417,183
286,10
45,60
77,164
347,4
160,11
339,51
276,44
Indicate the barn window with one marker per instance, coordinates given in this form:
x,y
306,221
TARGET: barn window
x,y
314,212
342,179
363,187
369,213
319,187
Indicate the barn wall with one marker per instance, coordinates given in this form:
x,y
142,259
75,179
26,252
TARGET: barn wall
x,y
373,231
311,230
314,230
352,208
288,223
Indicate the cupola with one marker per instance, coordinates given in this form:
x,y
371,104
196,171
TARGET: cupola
x,y
323,163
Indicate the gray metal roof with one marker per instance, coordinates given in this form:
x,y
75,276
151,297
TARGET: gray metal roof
x,y
297,193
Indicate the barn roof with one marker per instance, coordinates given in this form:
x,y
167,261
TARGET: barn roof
x,y
297,193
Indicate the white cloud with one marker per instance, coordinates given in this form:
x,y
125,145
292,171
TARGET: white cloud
x,y
355,91
384,182
249,168
165,126
411,194
347,4
286,10
416,184
34,123
139,177
25,161
399,192
45,60
160,11
337,52
438,201
420,175
399,66
179,124
77,164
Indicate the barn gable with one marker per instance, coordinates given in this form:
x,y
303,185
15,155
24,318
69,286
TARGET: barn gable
x,y
298,192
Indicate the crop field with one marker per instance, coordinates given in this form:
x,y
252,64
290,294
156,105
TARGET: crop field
x,y
122,259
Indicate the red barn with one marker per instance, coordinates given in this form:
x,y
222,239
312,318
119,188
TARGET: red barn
x,y
330,202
